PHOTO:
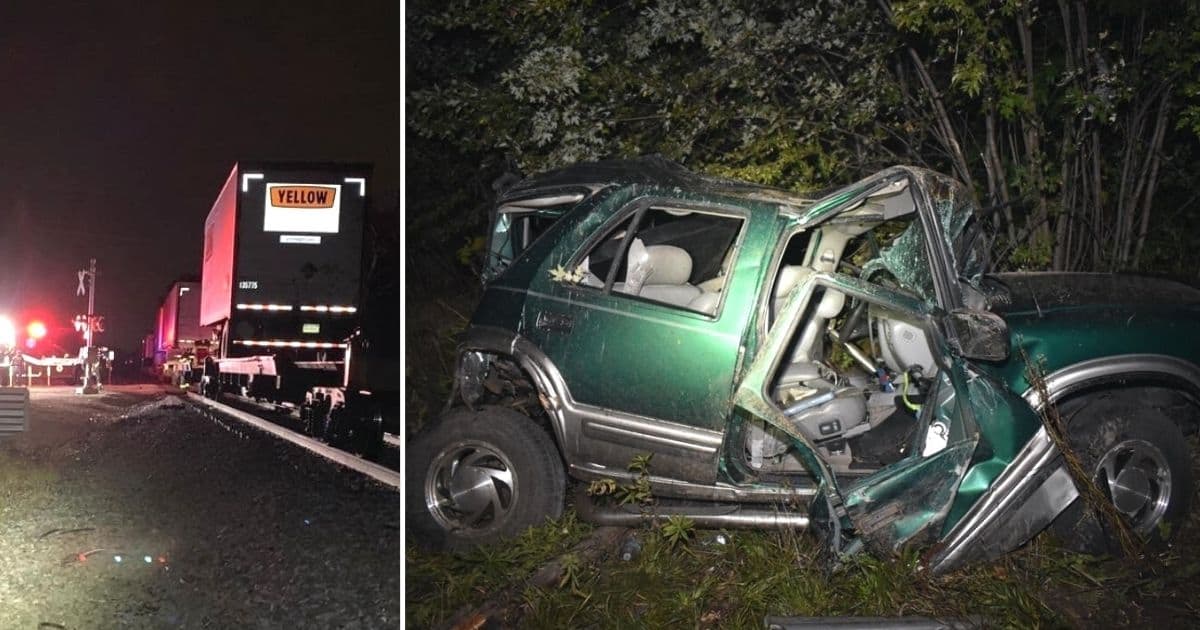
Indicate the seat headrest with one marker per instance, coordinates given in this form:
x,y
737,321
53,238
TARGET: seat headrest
x,y
668,265
789,277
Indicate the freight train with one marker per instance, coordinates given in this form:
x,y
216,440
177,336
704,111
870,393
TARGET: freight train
x,y
179,343
281,294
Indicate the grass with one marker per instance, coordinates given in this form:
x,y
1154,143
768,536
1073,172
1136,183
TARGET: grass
x,y
757,574
700,582
438,585
24,479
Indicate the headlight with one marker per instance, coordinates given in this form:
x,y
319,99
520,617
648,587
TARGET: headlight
x,y
8,332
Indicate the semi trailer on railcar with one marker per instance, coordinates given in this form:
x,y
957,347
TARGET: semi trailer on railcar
x,y
281,292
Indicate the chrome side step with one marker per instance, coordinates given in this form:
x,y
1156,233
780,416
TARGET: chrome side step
x,y
704,516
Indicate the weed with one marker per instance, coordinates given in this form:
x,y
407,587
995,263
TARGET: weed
x,y
572,571
439,584
678,529
638,492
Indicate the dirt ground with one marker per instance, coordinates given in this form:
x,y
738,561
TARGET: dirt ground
x,y
133,509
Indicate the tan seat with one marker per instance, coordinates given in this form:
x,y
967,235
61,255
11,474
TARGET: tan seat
x,y
706,302
790,276
801,365
666,270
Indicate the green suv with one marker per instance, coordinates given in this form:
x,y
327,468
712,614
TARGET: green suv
x,y
844,364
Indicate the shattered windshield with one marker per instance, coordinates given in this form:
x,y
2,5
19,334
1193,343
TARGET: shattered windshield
x,y
957,212
906,258
908,261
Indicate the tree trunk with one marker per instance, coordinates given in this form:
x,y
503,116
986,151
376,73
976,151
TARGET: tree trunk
x,y
1031,126
997,186
1160,130
945,128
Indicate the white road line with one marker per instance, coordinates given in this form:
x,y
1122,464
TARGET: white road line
x,y
393,439
371,469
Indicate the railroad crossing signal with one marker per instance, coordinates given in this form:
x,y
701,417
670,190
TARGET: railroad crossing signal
x,y
81,323
89,326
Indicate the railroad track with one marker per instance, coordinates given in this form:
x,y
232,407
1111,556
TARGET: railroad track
x,y
260,416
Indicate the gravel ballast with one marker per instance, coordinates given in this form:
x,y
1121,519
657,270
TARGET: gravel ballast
x,y
240,529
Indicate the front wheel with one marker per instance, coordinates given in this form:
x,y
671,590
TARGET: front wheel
x,y
1138,458
482,476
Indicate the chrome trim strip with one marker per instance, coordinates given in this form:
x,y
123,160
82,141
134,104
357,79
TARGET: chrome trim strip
x,y
666,487
1040,452
738,517
1012,482
1041,508
642,430
1070,378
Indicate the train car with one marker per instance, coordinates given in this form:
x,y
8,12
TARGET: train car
x,y
280,287
179,340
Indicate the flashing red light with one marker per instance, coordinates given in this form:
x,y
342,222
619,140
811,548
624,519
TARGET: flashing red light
x,y
36,329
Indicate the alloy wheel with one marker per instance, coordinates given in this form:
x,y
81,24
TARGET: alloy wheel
x,y
470,486
1138,480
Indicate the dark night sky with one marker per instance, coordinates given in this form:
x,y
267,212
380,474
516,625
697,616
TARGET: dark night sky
x,y
119,121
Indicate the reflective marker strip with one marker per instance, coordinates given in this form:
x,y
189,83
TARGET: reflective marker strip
x,y
246,177
330,309
288,344
264,307
362,184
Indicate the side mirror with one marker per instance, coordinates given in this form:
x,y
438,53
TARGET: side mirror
x,y
982,335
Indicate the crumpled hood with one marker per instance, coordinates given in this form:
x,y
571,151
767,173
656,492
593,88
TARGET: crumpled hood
x,y
1049,291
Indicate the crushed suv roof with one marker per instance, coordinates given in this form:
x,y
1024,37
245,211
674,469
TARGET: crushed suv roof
x,y
653,170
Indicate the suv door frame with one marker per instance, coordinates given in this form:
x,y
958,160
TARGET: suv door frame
x,y
605,437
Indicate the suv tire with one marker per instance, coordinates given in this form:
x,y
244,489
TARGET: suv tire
x,y
477,477
1139,459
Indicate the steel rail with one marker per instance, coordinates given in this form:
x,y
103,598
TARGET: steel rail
x,y
382,474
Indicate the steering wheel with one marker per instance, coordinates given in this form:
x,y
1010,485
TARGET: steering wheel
x,y
875,276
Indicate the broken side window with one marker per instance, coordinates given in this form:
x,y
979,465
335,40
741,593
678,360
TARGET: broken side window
x,y
517,224
674,256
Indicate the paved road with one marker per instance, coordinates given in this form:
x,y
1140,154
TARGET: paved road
x,y
241,530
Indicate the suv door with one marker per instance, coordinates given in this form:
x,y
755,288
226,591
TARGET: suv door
x,y
910,499
968,430
644,320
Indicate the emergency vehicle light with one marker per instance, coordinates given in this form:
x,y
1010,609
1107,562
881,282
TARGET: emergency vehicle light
x,y
8,332
330,309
